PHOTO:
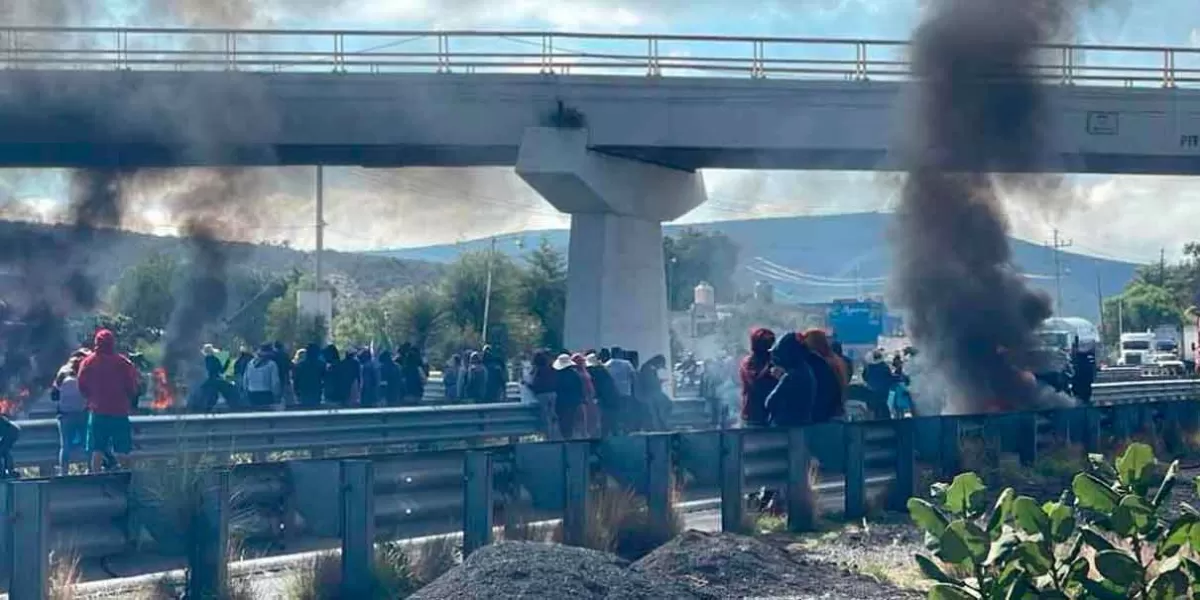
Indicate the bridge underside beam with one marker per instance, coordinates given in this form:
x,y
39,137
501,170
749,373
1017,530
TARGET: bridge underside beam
x,y
616,285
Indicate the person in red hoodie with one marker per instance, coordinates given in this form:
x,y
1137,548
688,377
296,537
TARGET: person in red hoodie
x,y
108,382
759,378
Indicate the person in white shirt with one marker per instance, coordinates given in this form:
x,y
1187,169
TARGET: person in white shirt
x,y
261,380
622,371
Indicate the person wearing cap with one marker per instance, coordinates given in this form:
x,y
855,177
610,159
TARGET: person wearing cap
x,y
879,379
569,394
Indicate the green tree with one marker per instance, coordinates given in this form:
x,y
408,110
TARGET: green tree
x,y
1141,306
694,256
359,324
416,315
282,320
145,293
543,291
251,294
465,287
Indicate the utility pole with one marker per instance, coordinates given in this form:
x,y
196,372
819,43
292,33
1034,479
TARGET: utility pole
x,y
1099,298
320,225
1162,267
487,294
1058,244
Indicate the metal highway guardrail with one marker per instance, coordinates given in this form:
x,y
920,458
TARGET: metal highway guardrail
x,y
358,430
288,507
318,431
549,53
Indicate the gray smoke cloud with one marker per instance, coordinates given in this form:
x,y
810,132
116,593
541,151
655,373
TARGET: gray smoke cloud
x,y
977,109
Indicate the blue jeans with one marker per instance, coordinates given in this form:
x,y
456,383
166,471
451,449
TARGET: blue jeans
x,y
72,435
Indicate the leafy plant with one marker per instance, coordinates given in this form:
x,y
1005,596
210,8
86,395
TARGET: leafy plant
x,y
1107,525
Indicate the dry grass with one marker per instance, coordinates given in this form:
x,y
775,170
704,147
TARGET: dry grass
x,y
432,558
165,589
64,574
619,522
393,576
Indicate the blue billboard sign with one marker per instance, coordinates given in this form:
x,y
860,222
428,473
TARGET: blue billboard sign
x,y
856,322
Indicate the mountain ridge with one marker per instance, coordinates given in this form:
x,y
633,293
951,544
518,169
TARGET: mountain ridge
x,y
820,258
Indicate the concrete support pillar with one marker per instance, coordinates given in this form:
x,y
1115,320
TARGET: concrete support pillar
x,y
616,281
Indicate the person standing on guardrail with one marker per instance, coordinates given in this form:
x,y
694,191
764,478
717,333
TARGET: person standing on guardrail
x,y
107,381
308,377
72,413
759,378
262,382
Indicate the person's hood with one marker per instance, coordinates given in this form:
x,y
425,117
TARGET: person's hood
x,y
789,351
818,342
261,360
761,341
106,342
562,362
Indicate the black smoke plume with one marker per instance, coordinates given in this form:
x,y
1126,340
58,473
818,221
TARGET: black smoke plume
x,y
977,109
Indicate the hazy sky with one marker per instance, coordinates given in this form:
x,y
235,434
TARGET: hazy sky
x,y
1126,217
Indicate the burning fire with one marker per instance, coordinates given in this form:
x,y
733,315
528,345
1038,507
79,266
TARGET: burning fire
x,y
10,406
163,397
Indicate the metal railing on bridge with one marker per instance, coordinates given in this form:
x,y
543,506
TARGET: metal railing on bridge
x,y
549,53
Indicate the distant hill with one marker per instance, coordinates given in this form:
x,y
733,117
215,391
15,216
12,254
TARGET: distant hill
x,y
353,275
817,259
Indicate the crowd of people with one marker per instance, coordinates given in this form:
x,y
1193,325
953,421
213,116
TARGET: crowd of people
x,y
793,380
270,378
597,392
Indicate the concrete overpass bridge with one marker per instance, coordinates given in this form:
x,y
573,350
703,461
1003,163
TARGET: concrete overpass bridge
x,y
609,128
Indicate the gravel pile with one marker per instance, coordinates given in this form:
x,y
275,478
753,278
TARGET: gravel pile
x,y
723,565
539,571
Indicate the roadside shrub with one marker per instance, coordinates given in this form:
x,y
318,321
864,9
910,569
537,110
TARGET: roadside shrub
x,y
1104,538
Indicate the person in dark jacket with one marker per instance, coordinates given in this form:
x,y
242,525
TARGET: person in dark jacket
x,y
839,352
830,376
370,378
308,377
542,383
333,388
214,385
790,404
655,402
283,362
759,378
879,379
349,379
415,374
608,400
474,387
239,365
569,394
497,375
1083,373
391,382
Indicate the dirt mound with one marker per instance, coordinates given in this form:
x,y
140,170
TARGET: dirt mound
x,y
723,565
538,571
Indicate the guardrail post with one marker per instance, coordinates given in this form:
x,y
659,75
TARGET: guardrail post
x,y
1092,418
658,477
477,504
1027,437
800,493
6,532
950,460
732,481
576,478
208,556
856,472
905,484
357,526
30,540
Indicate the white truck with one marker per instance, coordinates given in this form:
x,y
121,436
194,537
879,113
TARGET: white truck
x,y
1168,345
1137,349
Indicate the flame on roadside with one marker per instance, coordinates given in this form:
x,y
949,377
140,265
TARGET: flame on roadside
x,y
164,398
